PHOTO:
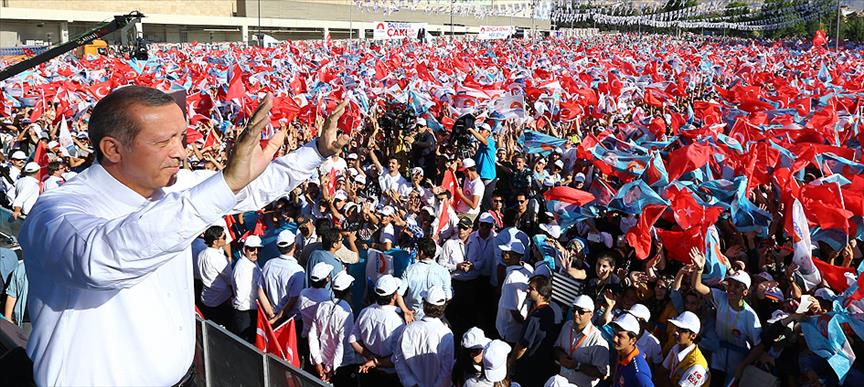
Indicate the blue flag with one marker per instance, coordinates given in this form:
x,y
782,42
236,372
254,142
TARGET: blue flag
x,y
634,196
536,142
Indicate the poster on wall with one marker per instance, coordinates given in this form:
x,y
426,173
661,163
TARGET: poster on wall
x,y
396,30
496,32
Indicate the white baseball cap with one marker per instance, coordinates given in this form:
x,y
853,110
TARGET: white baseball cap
x,y
387,285
387,211
584,302
468,163
474,338
777,315
742,277
688,321
53,144
559,164
252,241
18,155
352,156
286,238
640,311
628,323
320,271
360,179
32,167
515,246
495,360
487,218
435,295
340,195
416,171
558,381
821,293
342,281
580,177
552,229
421,121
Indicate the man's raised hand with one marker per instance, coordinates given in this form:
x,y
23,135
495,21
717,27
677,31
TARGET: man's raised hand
x,y
248,160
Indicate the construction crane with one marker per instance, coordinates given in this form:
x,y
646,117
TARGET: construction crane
x,y
121,22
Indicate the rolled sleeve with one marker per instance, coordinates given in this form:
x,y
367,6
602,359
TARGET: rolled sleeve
x,y
280,177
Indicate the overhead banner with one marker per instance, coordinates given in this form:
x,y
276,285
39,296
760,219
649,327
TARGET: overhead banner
x,y
391,30
496,32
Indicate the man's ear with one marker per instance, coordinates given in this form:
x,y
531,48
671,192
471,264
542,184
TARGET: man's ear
x,y
111,148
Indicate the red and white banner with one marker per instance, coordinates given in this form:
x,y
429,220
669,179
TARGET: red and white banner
x,y
495,32
391,30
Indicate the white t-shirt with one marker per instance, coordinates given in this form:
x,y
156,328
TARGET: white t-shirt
x,y
388,234
738,328
514,294
247,281
52,182
650,347
471,188
329,164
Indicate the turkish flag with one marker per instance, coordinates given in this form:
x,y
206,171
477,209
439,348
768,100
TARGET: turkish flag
x,y
236,88
686,159
265,338
834,275
286,338
679,243
449,183
639,236
687,211
41,158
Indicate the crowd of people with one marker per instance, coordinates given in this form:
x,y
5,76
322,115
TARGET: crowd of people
x,y
624,210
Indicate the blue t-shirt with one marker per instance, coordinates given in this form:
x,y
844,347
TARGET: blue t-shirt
x,y
326,257
485,158
632,372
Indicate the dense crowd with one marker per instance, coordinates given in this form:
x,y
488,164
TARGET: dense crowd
x,y
623,210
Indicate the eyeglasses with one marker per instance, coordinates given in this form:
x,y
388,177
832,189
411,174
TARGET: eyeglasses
x,y
498,201
522,201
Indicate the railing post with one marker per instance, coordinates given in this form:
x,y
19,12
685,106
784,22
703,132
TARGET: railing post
x,y
206,345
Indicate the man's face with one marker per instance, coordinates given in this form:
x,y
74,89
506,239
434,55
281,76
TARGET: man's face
x,y
682,336
393,165
18,163
153,159
464,232
497,203
520,164
252,253
522,203
622,340
603,269
581,317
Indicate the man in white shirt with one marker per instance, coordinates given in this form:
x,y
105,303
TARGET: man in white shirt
x,y
334,162
513,304
424,355
392,183
248,284
472,191
581,350
284,278
329,349
314,295
378,327
55,179
111,247
216,277
685,366
26,190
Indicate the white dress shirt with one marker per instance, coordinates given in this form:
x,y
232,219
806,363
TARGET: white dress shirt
x,y
424,354
216,276
377,328
26,193
587,347
283,278
481,251
514,298
247,279
108,266
452,254
328,336
310,298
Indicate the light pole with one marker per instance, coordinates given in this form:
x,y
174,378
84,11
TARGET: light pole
x,y
258,33
451,18
350,20
837,43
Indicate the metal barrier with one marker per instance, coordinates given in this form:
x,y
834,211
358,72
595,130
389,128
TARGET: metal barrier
x,y
17,51
228,360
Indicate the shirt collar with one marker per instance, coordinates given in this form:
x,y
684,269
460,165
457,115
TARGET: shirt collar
x,y
629,358
100,179
588,328
684,352
287,257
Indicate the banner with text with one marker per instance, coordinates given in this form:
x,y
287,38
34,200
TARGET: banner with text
x,y
496,32
391,30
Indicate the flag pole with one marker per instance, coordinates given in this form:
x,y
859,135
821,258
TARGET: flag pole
x,y
837,42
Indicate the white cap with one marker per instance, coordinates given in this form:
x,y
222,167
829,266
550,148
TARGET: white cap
x,y
821,293
468,163
352,156
580,177
487,218
553,230
342,280
495,360
742,277
435,295
360,179
18,155
32,167
252,241
320,271
687,320
640,311
474,338
340,195
804,303
286,238
416,170
628,323
558,381
559,164
584,302
387,211
777,315
421,121
484,126
387,285
515,246
53,144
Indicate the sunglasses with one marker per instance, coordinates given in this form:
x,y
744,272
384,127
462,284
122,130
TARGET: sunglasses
x,y
498,201
521,201
252,248
581,311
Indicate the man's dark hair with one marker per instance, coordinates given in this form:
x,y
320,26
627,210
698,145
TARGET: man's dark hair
x,y
322,224
212,234
329,238
543,286
318,284
54,166
111,117
427,247
434,311
384,300
285,249
509,218
342,294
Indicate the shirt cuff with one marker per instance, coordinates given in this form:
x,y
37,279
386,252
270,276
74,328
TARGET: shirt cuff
x,y
213,198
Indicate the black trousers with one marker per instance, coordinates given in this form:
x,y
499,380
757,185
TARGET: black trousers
x,y
461,312
378,378
245,323
222,314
